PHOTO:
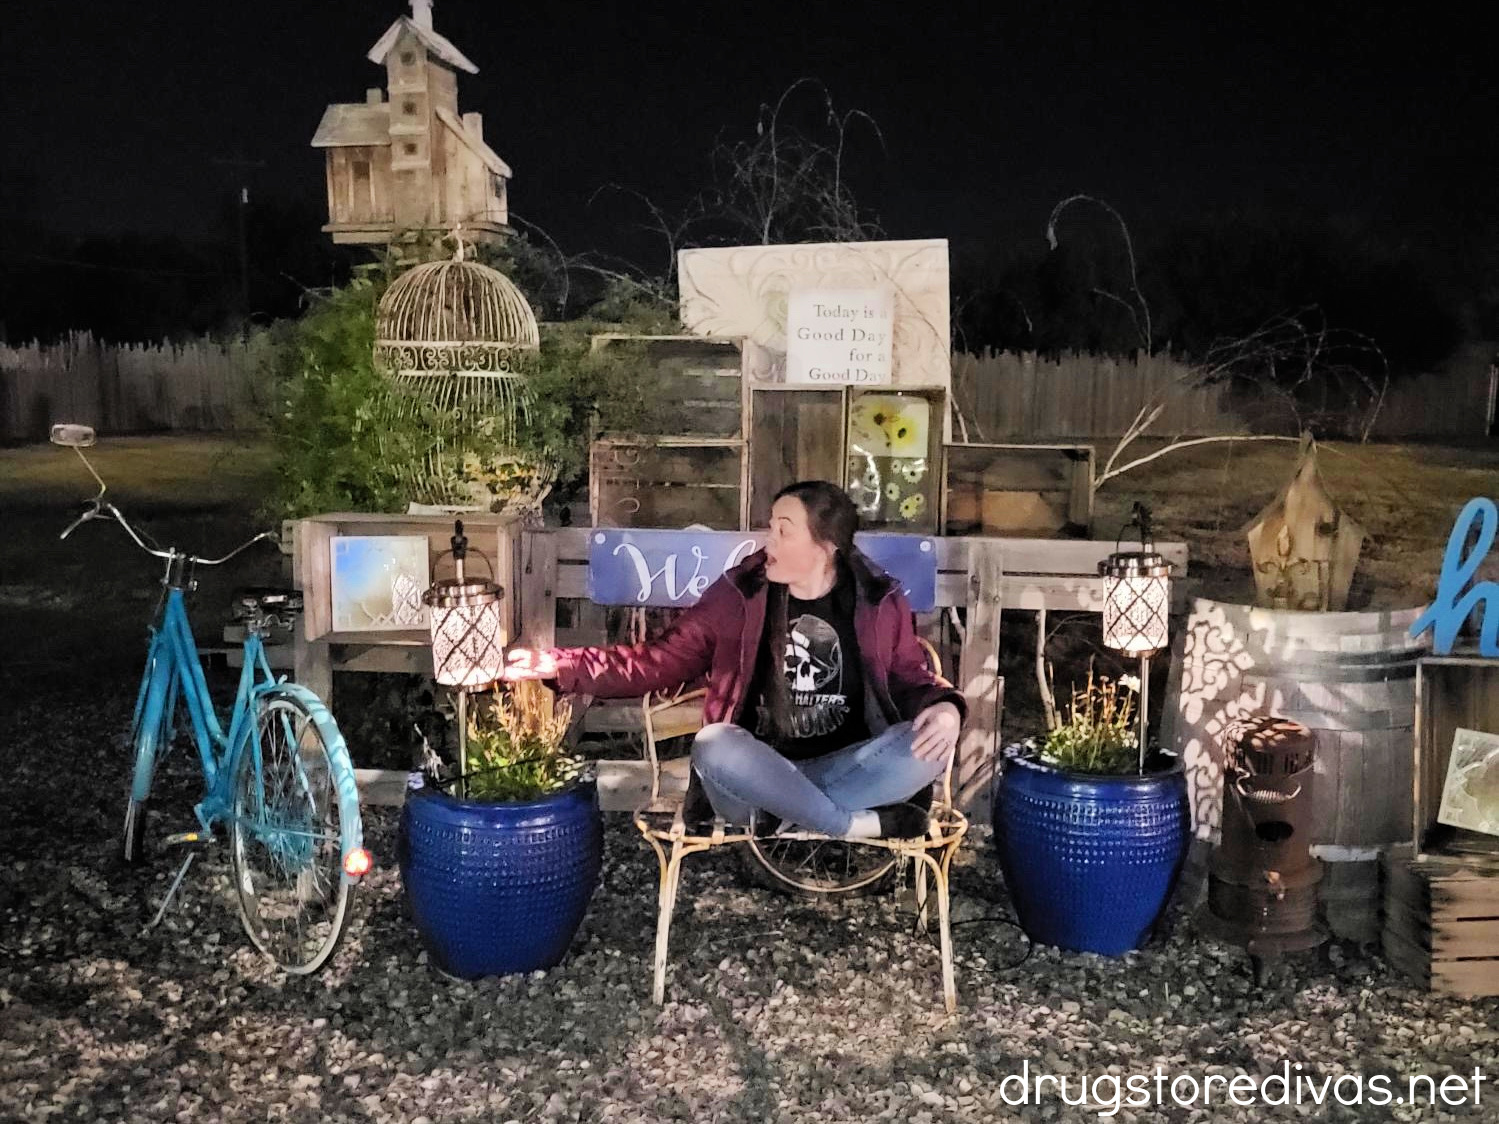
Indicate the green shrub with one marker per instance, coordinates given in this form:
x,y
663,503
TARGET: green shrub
x,y
342,433
329,406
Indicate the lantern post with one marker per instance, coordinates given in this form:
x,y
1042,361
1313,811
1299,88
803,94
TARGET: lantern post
x,y
1136,606
468,639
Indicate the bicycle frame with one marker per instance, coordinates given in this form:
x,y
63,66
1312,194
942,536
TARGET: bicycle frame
x,y
174,674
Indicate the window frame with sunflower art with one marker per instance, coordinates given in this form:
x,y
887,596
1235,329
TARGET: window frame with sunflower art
x,y
893,457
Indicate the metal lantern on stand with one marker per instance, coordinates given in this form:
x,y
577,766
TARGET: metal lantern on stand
x,y
468,636
1136,606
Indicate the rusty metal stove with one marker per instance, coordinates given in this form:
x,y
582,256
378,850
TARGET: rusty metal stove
x,y
1262,888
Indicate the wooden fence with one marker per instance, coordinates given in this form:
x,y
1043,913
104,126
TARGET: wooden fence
x,y
210,385
1456,400
205,385
1009,396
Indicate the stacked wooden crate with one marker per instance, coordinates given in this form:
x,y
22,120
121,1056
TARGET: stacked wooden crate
x,y
1441,890
1441,922
691,469
1042,490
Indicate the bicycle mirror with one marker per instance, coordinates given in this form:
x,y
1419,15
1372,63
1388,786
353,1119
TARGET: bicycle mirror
x,y
73,436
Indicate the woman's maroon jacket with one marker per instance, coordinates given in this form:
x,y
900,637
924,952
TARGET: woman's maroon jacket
x,y
718,638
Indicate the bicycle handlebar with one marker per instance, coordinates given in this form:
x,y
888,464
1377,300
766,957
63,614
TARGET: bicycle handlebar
x,y
242,547
98,510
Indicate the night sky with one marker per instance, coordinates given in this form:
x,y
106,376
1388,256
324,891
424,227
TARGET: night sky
x,y
115,113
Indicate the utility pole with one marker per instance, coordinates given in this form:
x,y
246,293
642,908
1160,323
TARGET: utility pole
x,y
243,166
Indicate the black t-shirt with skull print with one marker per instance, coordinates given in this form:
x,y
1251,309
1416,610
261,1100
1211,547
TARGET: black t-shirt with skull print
x,y
824,672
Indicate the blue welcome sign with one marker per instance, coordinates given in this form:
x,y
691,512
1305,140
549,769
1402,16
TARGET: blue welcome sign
x,y
1446,615
673,568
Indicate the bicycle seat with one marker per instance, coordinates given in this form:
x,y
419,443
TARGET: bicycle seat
x,y
255,601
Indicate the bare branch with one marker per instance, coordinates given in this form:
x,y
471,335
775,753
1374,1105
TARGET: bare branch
x,y
787,184
1171,448
1319,374
1147,334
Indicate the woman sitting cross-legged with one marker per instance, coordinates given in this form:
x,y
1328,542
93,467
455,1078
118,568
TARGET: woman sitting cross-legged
x,y
821,708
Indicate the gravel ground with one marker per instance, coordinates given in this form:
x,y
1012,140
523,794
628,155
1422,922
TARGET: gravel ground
x,y
777,1010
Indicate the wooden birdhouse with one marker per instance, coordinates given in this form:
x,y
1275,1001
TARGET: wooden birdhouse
x,y
404,160
1303,548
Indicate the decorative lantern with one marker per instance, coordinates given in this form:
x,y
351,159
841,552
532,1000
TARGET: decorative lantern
x,y
468,637
1137,601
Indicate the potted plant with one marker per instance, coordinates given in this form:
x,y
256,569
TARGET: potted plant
x,y
1090,841
499,872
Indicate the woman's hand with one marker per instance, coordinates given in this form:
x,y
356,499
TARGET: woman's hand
x,y
529,663
936,731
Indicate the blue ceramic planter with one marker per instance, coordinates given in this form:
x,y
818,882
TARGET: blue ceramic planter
x,y
1090,861
498,888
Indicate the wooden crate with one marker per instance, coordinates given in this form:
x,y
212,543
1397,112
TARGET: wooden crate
x,y
798,435
1018,490
318,651
1452,693
667,482
497,537
698,381
1441,921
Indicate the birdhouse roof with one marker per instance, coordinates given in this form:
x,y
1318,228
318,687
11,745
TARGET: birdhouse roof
x,y
430,39
475,145
358,123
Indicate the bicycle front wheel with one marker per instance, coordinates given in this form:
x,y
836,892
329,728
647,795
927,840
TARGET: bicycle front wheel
x,y
286,837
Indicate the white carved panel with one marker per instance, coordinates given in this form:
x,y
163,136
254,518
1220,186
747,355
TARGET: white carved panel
x,y
741,292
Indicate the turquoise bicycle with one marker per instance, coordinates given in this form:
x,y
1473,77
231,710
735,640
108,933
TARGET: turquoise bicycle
x,y
279,778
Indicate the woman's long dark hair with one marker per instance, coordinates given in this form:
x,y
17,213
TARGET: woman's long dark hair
x,y
832,519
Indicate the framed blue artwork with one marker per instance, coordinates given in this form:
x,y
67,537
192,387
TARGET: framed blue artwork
x,y
378,582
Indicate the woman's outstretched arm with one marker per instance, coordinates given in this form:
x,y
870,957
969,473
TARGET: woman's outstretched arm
x,y
681,654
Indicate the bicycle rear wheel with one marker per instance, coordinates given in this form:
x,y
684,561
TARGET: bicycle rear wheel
x,y
286,836
818,868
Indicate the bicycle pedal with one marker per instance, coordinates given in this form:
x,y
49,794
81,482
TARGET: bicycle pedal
x,y
188,838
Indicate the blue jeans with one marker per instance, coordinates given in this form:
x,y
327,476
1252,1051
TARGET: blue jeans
x,y
740,773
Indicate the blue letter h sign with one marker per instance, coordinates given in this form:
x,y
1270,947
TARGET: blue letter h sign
x,y
1452,607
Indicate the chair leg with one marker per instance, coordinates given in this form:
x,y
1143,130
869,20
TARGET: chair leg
x,y
944,924
671,873
650,749
921,891
944,927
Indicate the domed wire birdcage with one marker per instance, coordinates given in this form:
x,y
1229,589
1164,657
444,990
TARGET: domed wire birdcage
x,y
451,336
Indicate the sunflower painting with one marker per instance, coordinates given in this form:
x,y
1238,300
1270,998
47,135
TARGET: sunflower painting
x,y
888,442
889,425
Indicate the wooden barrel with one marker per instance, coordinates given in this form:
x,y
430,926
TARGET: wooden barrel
x,y
1350,894
1350,678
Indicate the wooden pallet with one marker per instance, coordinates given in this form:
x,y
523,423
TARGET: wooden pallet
x,y
1441,921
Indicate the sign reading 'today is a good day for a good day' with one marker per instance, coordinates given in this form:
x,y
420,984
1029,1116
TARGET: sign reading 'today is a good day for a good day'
x,y
838,337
